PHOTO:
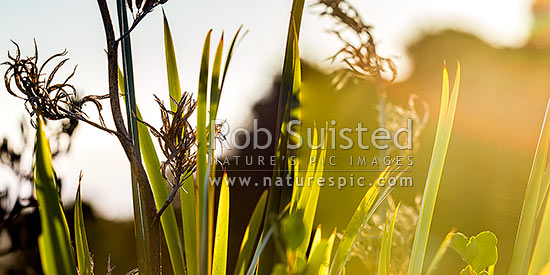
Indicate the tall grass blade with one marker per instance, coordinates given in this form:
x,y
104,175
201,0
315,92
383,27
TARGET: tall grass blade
x,y
302,192
250,236
213,109
171,65
54,242
361,215
190,226
160,192
532,202
294,170
202,164
169,223
83,257
219,264
319,257
316,258
215,91
189,220
324,269
316,240
541,252
310,208
289,110
275,194
443,135
259,251
386,243
230,55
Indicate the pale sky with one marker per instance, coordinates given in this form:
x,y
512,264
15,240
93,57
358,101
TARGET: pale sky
x,y
76,26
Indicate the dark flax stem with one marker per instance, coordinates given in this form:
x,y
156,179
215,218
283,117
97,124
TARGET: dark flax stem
x,y
136,165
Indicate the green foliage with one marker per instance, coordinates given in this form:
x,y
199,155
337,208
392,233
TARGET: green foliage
x,y
443,135
317,255
478,252
534,214
147,237
202,164
251,235
219,264
190,226
290,87
289,230
160,190
204,194
83,257
385,247
310,194
293,230
197,199
152,164
171,64
54,242
360,217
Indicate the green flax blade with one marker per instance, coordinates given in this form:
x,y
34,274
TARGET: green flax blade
x,y
54,242
202,164
80,239
439,153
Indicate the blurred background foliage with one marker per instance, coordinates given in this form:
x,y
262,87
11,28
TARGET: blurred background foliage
x,y
499,115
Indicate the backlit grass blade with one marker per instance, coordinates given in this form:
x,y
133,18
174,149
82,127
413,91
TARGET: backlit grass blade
x,y
160,192
294,171
202,163
532,202
214,87
321,251
172,236
213,109
171,65
229,56
301,193
386,243
316,257
541,252
310,208
251,236
361,215
80,238
276,199
219,264
190,226
443,135
324,269
291,106
54,242
316,239
259,250
439,253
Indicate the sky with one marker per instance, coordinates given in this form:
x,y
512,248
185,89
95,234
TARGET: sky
x,y
76,26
